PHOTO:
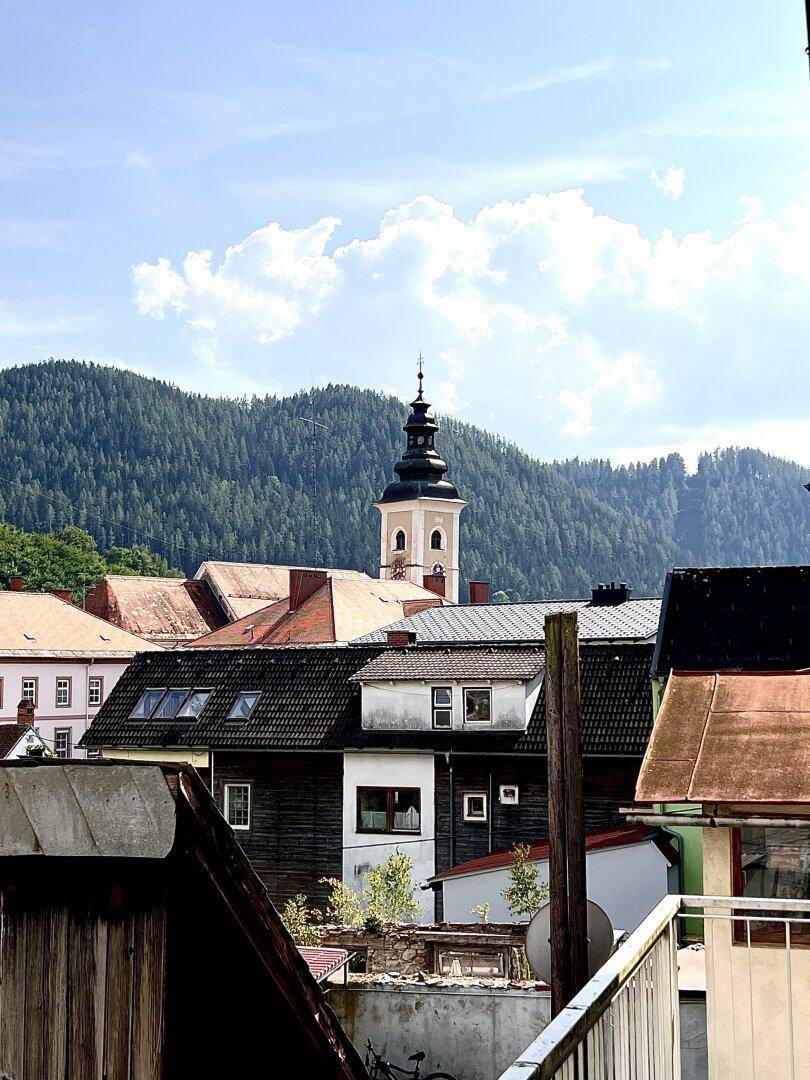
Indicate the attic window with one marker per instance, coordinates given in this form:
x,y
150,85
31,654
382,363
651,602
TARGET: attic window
x,y
104,637
244,705
170,704
146,704
29,637
194,704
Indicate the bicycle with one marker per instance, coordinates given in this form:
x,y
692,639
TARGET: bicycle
x,y
380,1069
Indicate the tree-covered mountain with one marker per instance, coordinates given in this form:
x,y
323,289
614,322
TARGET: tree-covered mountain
x,y
135,461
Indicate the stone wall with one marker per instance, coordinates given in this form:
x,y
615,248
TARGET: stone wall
x,y
409,950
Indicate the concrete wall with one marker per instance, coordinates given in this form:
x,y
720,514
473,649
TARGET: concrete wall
x,y
626,881
48,716
473,1033
740,1001
362,851
407,706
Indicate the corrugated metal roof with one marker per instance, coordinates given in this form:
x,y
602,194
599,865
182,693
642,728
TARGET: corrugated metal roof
x,y
438,663
40,624
633,620
730,737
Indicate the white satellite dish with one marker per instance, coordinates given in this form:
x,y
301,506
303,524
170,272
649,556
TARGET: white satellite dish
x,y
538,944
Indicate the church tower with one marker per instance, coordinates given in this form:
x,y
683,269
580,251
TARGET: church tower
x,y
420,510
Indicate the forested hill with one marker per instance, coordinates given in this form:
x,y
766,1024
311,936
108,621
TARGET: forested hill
x,y
136,461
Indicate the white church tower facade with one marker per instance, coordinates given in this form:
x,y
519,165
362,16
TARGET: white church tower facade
x,y
421,511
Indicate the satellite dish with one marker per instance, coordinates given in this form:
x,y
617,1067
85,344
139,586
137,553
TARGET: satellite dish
x,y
538,945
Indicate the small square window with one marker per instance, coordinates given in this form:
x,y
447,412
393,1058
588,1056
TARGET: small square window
x,y
63,686
442,707
170,703
509,795
478,706
475,806
244,705
236,800
95,691
194,704
29,690
146,704
62,742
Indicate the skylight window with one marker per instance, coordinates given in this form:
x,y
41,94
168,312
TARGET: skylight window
x,y
244,705
170,703
194,704
146,704
29,637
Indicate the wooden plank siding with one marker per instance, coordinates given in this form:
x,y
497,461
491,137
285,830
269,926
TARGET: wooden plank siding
x,y
296,829
81,979
608,783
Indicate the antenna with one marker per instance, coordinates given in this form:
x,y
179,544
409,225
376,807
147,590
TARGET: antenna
x,y
315,424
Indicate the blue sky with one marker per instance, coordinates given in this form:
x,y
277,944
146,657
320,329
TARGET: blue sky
x,y
593,219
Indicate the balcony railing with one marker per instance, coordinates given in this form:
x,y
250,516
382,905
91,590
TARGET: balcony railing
x,y
625,1023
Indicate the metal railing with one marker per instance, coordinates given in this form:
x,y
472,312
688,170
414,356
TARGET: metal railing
x,y
625,1023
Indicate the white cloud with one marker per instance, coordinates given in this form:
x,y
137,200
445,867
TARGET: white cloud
x,y
750,209
542,309
671,183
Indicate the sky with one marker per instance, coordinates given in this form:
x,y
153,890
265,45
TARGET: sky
x,y
592,219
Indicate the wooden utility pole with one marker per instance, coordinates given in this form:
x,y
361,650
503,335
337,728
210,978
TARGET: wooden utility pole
x,y
566,817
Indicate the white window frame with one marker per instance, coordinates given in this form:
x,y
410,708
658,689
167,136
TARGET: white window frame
x,y
226,800
63,681
30,679
69,743
442,539
507,800
475,819
477,689
91,679
434,708
399,529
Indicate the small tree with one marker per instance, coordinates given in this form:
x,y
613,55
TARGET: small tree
x,y
389,892
525,892
482,911
300,921
344,905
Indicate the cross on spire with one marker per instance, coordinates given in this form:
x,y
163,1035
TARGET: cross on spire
x,y
419,374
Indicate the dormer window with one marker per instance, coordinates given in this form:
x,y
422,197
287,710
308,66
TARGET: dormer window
x,y
436,540
399,540
478,705
442,707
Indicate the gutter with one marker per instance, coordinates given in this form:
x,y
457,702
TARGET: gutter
x,y
715,821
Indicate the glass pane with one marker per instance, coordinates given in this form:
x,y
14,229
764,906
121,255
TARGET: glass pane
x,y
238,805
478,710
442,718
95,692
244,705
194,704
442,696
146,703
169,705
406,809
28,689
374,809
476,806
775,862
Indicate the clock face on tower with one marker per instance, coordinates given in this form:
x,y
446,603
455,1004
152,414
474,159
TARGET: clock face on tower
x,y
398,568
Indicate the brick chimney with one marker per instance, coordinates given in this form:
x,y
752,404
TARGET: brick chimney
x,y
479,592
16,583
63,594
25,713
400,639
610,595
436,583
303,583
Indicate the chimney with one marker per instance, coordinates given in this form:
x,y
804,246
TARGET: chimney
x,y
435,583
63,594
400,639
15,584
25,713
479,592
303,583
610,595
